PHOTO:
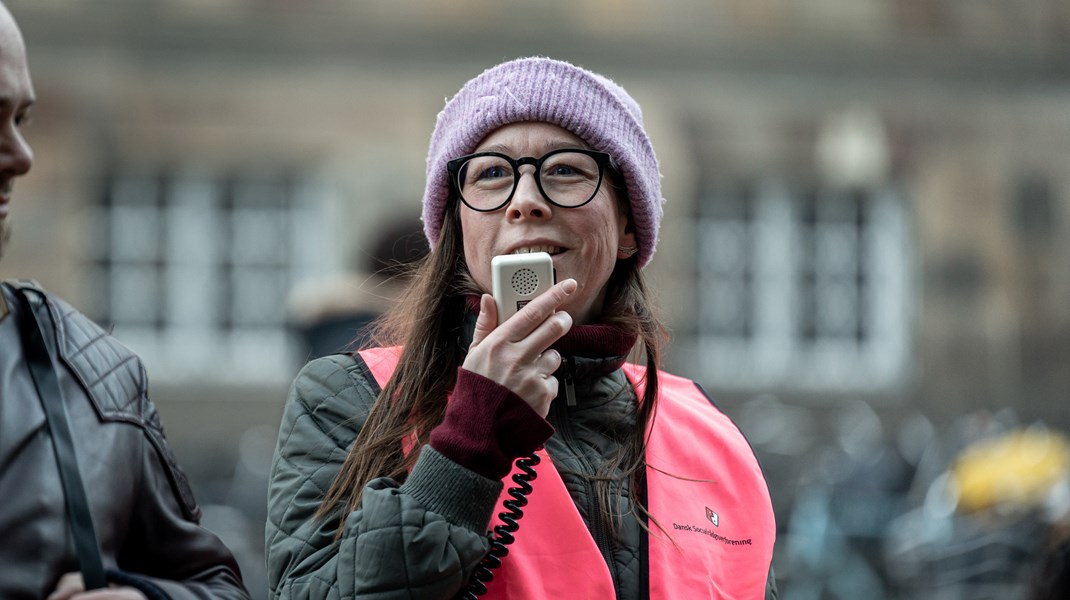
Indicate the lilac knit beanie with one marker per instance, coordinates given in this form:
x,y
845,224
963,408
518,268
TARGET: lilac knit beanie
x,y
589,105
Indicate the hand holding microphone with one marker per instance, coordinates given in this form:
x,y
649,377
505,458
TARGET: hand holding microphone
x,y
513,351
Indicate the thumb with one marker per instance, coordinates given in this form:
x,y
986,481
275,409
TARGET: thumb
x,y
487,320
68,585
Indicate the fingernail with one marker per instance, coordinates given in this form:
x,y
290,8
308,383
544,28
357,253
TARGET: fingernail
x,y
569,286
564,317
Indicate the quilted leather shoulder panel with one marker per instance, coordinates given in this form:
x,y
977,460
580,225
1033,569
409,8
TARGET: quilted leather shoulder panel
x,y
111,373
118,386
115,382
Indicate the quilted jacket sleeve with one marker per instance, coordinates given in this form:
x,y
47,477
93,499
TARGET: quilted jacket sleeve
x,y
419,539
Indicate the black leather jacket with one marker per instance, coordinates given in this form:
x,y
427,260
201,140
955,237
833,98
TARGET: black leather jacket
x,y
145,516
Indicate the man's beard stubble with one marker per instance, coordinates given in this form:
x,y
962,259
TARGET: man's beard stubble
x,y
5,235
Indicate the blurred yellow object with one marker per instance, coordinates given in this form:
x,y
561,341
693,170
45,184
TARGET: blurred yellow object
x,y
1018,468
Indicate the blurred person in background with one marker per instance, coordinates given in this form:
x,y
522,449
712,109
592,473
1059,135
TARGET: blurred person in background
x,y
391,460
79,436
337,314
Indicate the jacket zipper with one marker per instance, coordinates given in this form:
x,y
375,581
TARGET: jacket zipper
x,y
598,530
570,382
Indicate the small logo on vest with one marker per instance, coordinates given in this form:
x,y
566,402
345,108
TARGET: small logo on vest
x,y
713,517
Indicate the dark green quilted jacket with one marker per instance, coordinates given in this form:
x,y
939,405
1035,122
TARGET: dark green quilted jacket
x,y
421,538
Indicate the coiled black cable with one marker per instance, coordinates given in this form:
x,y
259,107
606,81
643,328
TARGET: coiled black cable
x,y
503,534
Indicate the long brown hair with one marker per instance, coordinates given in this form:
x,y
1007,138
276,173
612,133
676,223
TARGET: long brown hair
x,y
428,322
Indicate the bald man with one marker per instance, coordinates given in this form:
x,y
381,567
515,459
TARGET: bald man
x,y
147,542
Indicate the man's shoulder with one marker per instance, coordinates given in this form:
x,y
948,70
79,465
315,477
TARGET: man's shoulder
x,y
113,378
111,373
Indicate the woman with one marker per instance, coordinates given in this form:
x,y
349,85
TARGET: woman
x,y
391,461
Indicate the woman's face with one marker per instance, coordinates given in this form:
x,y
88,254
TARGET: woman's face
x,y
583,241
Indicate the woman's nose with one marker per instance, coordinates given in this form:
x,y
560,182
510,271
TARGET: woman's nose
x,y
528,201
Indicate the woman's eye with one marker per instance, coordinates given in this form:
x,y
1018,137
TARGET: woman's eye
x,y
492,173
569,170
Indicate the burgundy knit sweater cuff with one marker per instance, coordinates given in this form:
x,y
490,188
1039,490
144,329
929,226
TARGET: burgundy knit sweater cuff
x,y
487,426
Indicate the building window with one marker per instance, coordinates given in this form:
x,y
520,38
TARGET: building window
x,y
801,288
192,271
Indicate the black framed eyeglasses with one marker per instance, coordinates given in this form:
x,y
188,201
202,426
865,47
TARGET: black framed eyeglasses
x,y
569,178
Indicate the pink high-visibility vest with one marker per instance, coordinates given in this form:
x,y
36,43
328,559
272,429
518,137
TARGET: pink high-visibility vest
x,y
704,487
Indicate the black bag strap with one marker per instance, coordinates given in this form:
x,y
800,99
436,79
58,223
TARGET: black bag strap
x,y
38,339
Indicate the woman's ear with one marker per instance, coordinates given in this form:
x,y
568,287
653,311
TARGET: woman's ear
x,y
627,245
